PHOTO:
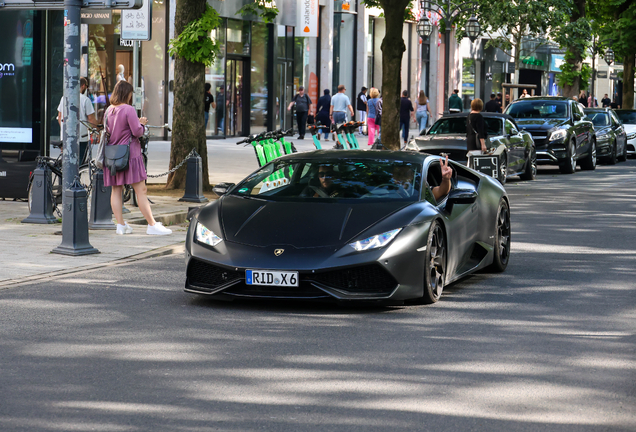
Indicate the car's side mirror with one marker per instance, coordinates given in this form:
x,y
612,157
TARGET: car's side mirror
x,y
222,188
462,196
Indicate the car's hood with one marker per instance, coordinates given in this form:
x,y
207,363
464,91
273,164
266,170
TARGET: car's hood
x,y
429,142
263,223
540,124
629,128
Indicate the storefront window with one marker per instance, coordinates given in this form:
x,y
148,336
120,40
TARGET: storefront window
x,y
153,76
238,37
370,36
344,27
258,82
468,81
215,76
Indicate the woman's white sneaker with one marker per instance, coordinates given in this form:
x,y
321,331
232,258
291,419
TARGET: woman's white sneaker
x,y
158,229
124,229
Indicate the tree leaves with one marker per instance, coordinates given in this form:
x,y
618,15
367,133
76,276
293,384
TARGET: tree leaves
x,y
195,43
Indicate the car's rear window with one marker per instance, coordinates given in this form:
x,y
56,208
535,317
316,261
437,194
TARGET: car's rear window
x,y
538,109
300,180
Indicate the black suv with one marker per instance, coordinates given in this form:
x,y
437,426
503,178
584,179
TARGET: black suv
x,y
562,133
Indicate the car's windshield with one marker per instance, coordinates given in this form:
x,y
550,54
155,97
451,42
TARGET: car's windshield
x,y
627,117
302,180
538,109
598,118
457,126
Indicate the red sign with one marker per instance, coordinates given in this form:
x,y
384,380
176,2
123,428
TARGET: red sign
x,y
313,90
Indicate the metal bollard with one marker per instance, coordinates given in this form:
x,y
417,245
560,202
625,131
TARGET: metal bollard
x,y
194,181
101,216
75,223
42,201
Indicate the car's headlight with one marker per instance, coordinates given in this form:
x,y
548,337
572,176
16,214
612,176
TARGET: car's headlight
x,y
376,241
631,136
206,236
558,135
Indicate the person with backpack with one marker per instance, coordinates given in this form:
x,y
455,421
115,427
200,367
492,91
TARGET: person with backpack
x,y
302,102
361,106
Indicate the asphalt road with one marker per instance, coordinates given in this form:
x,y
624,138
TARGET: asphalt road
x,y
549,345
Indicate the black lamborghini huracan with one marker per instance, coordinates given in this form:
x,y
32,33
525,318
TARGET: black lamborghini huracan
x,y
347,225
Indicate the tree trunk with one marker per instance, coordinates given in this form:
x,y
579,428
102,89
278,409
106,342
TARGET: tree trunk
x,y
628,81
188,122
393,48
576,60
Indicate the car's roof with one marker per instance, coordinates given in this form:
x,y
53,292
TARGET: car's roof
x,y
547,98
340,155
625,110
483,113
597,109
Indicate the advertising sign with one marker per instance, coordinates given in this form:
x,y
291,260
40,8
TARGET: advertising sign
x,y
556,60
307,20
95,16
136,24
601,74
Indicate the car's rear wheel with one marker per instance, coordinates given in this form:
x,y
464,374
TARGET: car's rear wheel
x,y
503,169
502,238
590,161
435,264
623,156
611,159
530,172
569,164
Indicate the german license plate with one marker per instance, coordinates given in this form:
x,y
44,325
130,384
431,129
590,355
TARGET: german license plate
x,y
269,277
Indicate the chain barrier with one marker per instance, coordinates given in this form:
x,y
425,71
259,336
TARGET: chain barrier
x,y
193,153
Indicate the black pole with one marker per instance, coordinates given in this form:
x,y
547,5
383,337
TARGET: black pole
x,y
74,230
447,67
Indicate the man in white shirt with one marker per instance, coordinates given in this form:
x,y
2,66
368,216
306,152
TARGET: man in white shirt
x,y
87,113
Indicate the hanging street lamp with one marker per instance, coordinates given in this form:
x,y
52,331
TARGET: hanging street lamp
x,y
424,27
473,28
609,56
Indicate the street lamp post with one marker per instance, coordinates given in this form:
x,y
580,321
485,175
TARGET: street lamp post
x,y
449,10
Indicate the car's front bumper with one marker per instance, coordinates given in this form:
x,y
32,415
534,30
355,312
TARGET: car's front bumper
x,y
391,273
631,144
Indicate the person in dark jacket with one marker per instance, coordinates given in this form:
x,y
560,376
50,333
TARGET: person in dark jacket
x,y
455,102
303,103
406,112
492,105
361,106
476,127
322,113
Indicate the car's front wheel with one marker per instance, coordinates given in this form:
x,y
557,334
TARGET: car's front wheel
x,y
530,172
568,166
502,238
611,159
435,264
590,161
503,169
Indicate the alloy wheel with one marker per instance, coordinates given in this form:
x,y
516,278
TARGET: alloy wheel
x,y
503,234
436,263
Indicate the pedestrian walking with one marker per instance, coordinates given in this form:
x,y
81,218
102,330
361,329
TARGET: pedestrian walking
x,y
372,113
302,102
406,113
422,111
340,103
322,113
614,104
125,128
209,102
606,101
220,111
499,99
455,104
492,105
86,113
583,99
361,106
476,128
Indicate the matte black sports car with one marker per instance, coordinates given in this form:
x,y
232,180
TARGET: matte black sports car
x,y
611,139
562,134
511,152
347,225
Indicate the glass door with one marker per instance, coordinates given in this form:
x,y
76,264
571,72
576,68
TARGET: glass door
x,y
234,125
284,119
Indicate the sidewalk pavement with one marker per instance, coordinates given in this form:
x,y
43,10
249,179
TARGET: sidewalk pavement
x,y
26,248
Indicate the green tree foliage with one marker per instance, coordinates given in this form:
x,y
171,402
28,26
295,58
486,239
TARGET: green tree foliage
x,y
194,43
508,22
615,23
264,9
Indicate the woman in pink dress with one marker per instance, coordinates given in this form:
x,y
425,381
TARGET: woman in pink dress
x,y
126,128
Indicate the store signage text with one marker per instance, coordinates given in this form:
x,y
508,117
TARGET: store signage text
x,y
7,69
126,43
307,18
